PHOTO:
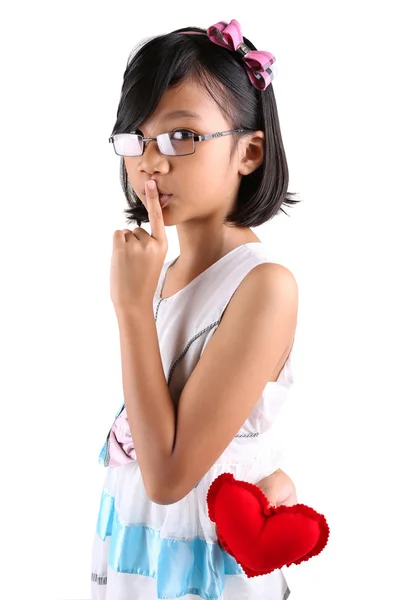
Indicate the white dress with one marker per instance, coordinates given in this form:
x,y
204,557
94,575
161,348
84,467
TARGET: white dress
x,y
143,550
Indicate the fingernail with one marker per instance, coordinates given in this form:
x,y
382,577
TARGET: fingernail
x,y
151,184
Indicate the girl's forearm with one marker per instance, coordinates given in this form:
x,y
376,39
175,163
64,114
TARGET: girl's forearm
x,y
150,410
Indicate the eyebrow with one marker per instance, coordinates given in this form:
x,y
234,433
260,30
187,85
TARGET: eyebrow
x,y
183,113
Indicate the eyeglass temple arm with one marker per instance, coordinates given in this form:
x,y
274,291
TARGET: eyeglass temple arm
x,y
208,136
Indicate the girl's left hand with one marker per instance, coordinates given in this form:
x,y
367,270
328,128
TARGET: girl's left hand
x,y
137,259
278,488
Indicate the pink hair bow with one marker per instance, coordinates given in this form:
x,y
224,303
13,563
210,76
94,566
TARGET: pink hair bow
x,y
258,63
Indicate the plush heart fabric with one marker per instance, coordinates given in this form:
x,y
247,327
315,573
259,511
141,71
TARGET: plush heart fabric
x,y
260,537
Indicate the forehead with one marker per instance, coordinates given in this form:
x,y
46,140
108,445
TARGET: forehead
x,y
188,102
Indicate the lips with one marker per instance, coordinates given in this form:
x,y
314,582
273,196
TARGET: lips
x,y
164,199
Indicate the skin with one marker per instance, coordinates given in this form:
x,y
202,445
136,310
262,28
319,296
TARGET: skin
x,y
201,198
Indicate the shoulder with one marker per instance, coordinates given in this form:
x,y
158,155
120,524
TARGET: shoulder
x,y
271,275
266,285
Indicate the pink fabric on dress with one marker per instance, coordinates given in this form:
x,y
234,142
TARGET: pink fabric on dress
x,y
122,449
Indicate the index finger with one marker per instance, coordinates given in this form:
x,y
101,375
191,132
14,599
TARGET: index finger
x,y
155,213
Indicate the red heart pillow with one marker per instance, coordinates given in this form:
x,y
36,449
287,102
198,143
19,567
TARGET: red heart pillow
x,y
260,537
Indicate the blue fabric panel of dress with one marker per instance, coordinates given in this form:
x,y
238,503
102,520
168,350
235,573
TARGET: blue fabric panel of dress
x,y
195,566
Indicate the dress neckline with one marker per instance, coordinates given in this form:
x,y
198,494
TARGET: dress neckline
x,y
166,267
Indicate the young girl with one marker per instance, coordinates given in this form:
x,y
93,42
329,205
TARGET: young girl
x,y
206,339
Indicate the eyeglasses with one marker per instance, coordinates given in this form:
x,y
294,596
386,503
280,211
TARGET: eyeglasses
x,y
173,143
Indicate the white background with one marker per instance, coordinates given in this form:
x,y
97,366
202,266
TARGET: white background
x,y
61,73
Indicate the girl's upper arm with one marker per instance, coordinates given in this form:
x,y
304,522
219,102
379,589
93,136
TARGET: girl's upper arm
x,y
247,350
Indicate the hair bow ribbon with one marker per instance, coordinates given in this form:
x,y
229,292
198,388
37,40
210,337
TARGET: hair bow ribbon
x,y
258,63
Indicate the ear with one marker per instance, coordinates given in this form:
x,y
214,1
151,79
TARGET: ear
x,y
252,152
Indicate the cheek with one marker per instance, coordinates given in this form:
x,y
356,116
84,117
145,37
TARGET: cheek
x,y
212,168
211,162
132,171
129,167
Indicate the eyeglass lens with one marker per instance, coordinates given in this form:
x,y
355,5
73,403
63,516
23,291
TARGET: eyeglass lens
x,y
174,143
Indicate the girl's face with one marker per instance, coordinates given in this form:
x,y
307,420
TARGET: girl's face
x,y
203,184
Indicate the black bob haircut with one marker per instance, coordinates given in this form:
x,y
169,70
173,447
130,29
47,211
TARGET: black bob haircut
x,y
166,61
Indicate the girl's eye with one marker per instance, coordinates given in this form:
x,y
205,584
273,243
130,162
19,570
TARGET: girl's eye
x,y
182,134
183,130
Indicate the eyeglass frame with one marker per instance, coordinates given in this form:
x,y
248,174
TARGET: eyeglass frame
x,y
196,138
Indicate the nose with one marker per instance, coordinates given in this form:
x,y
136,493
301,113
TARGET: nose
x,y
152,160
